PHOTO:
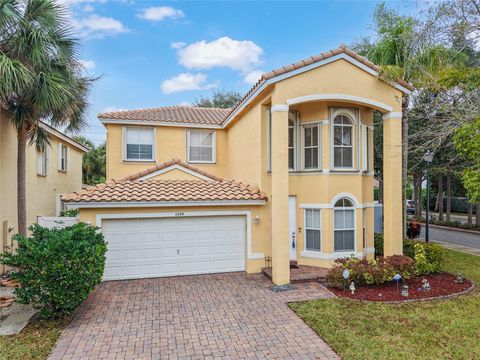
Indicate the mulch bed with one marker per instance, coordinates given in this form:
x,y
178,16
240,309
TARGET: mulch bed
x,y
443,285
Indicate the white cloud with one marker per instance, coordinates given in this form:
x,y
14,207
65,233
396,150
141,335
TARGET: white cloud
x,y
160,13
253,77
185,103
243,56
88,8
185,82
177,45
88,64
95,26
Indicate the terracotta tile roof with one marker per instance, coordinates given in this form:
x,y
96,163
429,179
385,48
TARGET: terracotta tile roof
x,y
130,189
310,60
215,116
167,164
174,114
165,190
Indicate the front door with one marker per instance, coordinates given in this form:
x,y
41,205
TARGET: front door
x,y
292,226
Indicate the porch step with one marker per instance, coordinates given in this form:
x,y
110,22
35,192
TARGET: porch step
x,y
303,274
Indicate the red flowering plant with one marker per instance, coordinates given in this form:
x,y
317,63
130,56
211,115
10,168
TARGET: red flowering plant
x,y
414,229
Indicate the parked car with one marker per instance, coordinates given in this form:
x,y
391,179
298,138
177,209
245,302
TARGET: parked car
x,y
410,207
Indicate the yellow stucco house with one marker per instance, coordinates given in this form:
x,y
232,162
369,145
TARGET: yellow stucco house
x,y
286,174
49,174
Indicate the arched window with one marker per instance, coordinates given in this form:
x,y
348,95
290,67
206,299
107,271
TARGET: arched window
x,y
342,141
344,225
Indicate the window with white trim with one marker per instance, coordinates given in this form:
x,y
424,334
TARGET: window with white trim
x,y
344,226
269,139
291,144
139,144
42,163
343,141
311,147
62,157
201,146
312,230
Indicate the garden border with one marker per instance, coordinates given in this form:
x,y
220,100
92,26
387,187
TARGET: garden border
x,y
442,297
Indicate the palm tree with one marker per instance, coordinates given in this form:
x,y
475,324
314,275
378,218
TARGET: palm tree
x,y
404,49
93,163
42,79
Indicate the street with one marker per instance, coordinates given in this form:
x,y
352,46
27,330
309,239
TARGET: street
x,y
455,239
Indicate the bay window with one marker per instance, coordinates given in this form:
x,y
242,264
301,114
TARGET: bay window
x,y
342,141
311,147
344,226
312,230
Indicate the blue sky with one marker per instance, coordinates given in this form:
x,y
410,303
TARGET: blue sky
x,y
157,53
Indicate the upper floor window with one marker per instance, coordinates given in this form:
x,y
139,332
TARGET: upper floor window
x,y
42,162
342,141
201,146
63,158
291,144
344,225
311,147
139,144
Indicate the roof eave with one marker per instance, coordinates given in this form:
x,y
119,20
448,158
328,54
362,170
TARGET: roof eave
x,y
131,204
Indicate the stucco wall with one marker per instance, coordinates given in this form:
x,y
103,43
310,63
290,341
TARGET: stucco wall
x,y
41,190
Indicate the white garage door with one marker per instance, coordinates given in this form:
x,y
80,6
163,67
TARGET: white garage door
x,y
140,248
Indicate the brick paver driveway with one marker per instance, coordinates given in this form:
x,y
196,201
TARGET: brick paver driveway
x,y
222,316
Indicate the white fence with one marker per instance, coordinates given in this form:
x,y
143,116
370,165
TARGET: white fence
x,y
56,222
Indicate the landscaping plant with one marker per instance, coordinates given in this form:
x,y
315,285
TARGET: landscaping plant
x,y
370,272
57,268
414,230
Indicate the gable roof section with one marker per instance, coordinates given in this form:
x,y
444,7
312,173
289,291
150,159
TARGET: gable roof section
x,y
133,190
51,130
170,115
219,118
177,163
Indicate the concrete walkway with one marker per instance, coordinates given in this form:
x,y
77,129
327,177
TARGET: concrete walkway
x,y
223,316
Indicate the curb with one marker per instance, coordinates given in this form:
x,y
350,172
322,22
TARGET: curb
x,y
476,232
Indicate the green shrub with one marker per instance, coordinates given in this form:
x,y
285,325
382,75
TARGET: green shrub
x,y
378,244
370,272
57,268
434,255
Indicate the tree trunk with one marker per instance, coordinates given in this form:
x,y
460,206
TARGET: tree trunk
x,y
21,184
405,99
470,213
477,216
440,197
449,196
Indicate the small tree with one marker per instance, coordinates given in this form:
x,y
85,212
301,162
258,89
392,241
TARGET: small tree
x,y
57,268
223,99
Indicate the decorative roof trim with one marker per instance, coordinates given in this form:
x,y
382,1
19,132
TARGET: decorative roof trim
x,y
340,97
176,167
136,204
159,123
63,137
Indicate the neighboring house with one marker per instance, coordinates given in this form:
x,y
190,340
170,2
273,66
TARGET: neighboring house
x,y
49,174
299,151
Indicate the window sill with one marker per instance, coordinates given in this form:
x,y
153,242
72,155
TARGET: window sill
x,y
330,256
42,175
202,162
345,170
62,171
133,161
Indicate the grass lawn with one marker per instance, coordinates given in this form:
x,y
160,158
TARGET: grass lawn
x,y
439,329
36,341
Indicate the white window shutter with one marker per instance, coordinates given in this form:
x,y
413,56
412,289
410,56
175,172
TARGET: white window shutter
x,y
68,159
59,156
39,163
47,159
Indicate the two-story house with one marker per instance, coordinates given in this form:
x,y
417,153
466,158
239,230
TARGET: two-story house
x,y
49,174
287,173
